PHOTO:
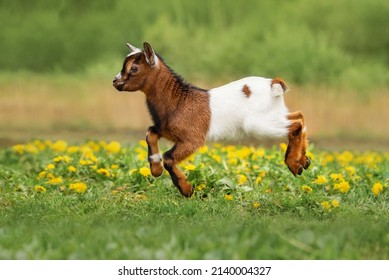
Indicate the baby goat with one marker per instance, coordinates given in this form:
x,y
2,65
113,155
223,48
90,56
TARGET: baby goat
x,y
188,115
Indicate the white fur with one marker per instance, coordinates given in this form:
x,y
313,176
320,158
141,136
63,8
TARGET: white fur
x,y
262,113
156,158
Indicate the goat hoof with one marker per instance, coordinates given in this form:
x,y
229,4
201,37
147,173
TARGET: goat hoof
x,y
156,170
186,189
307,163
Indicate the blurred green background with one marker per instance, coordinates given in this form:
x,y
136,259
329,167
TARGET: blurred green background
x,y
58,58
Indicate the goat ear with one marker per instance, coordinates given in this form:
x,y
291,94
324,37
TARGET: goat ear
x,y
132,48
151,58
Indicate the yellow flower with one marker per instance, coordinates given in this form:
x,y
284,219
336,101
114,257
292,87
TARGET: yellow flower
x,y
86,162
256,205
72,168
143,143
228,197
337,177
320,180
217,158
203,150
145,171
50,166
18,148
258,180
326,205
242,179
42,174
59,146
201,187
335,203
73,149
351,170
342,186
113,147
55,180
190,167
306,189
115,166
132,171
377,188
283,147
103,171
40,189
78,187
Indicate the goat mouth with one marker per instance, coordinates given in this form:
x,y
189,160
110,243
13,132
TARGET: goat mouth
x,y
119,86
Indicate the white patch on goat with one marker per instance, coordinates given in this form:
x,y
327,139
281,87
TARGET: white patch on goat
x,y
156,158
118,76
263,113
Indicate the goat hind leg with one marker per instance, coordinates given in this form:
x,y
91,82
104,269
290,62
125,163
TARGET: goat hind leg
x,y
298,116
294,151
154,157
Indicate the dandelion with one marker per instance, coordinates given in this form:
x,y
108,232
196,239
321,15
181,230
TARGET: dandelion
x,y
40,189
59,146
78,187
200,187
350,170
217,158
143,143
377,188
72,149
283,147
228,197
342,186
203,150
258,180
55,180
145,171
103,171
42,174
326,205
72,168
115,166
242,179
190,167
113,147
337,177
335,203
62,158
320,180
306,189
256,205
18,148
50,166
132,171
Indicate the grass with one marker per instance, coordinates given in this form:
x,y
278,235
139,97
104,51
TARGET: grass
x,y
97,200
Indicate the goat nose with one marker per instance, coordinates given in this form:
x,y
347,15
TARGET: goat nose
x,y
114,80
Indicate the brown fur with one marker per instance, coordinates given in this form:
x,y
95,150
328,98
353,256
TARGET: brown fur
x,y
295,157
281,82
246,90
181,114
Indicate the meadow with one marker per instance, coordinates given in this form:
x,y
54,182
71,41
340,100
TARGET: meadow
x,y
74,179
98,200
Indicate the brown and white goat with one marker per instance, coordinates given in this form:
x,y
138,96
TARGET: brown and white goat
x,y
188,115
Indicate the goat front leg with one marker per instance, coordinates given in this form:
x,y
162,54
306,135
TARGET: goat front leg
x,y
171,158
154,157
299,117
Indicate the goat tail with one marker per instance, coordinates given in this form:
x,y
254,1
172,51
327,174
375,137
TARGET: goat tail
x,y
278,87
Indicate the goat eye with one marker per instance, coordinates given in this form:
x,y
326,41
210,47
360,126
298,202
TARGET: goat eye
x,y
134,69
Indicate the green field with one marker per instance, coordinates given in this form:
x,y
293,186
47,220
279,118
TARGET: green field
x,y
97,200
65,197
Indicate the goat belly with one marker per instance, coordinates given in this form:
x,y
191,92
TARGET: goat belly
x,y
247,106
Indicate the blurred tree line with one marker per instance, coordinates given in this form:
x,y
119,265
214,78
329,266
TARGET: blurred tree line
x,y
333,41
